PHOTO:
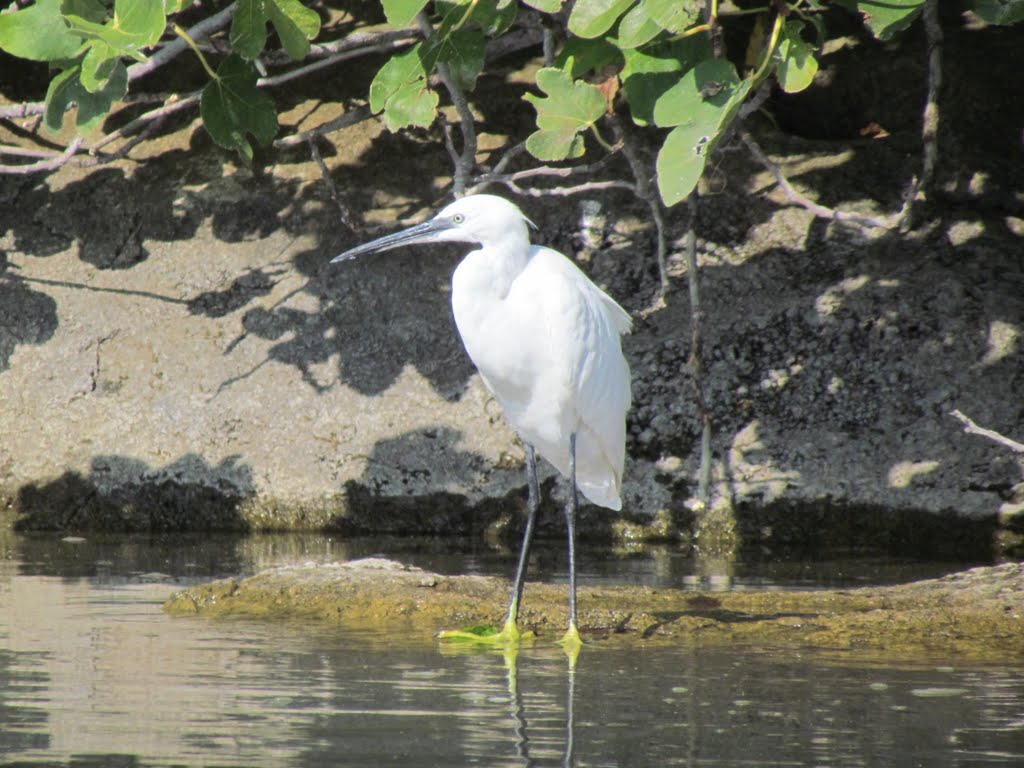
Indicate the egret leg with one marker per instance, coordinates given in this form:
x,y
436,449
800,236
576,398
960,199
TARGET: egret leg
x,y
532,503
571,638
509,634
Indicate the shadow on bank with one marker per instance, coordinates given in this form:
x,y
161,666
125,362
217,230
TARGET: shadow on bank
x,y
121,494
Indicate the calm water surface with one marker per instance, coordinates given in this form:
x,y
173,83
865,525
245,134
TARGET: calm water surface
x,y
93,673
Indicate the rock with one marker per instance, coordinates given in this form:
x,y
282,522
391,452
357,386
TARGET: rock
x,y
978,613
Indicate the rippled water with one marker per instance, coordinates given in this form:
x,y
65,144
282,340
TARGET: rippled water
x,y
93,673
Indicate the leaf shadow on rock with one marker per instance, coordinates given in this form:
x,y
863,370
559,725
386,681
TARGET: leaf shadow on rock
x,y
26,316
423,483
122,494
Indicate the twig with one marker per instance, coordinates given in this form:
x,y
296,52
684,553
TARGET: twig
x,y
343,213
930,119
642,189
180,45
52,162
28,109
464,161
349,42
587,186
971,428
315,66
497,176
129,145
145,118
793,196
341,122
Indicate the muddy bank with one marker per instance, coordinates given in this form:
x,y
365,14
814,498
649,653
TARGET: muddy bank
x,y
977,613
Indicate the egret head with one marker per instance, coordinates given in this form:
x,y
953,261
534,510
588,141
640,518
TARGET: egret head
x,y
483,219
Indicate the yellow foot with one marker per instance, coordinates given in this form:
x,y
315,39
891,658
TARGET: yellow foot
x,y
572,643
508,636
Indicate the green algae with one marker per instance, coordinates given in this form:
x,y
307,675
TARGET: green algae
x,y
977,613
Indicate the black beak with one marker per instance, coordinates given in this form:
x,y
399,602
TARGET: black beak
x,y
421,233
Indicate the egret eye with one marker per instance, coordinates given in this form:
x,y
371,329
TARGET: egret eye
x,y
458,218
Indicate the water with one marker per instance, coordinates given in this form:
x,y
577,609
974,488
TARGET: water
x,y
93,673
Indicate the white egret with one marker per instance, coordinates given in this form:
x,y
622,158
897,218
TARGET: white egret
x,y
546,341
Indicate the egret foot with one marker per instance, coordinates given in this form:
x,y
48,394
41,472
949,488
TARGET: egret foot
x,y
508,636
571,643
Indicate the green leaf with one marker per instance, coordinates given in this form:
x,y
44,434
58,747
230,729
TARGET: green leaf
x,y
590,18
400,13
796,65
547,6
233,108
887,18
249,29
698,95
681,162
38,33
998,11
491,16
652,71
142,19
175,6
637,27
580,56
67,89
123,43
701,113
400,89
463,52
296,25
569,107
98,66
673,15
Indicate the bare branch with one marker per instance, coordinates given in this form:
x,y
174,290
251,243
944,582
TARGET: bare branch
x,y
350,118
643,190
50,163
587,186
930,119
144,119
179,45
29,109
348,43
973,429
466,160
509,179
351,53
343,213
821,211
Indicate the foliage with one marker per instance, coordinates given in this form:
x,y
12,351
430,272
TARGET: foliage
x,y
657,63
650,58
88,42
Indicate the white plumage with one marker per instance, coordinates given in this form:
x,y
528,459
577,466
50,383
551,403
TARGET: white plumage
x,y
546,341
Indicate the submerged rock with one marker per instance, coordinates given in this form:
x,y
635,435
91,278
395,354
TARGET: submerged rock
x,y
978,613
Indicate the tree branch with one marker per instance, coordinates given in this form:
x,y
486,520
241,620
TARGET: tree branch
x,y
929,120
464,161
50,163
642,189
179,45
821,211
973,429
